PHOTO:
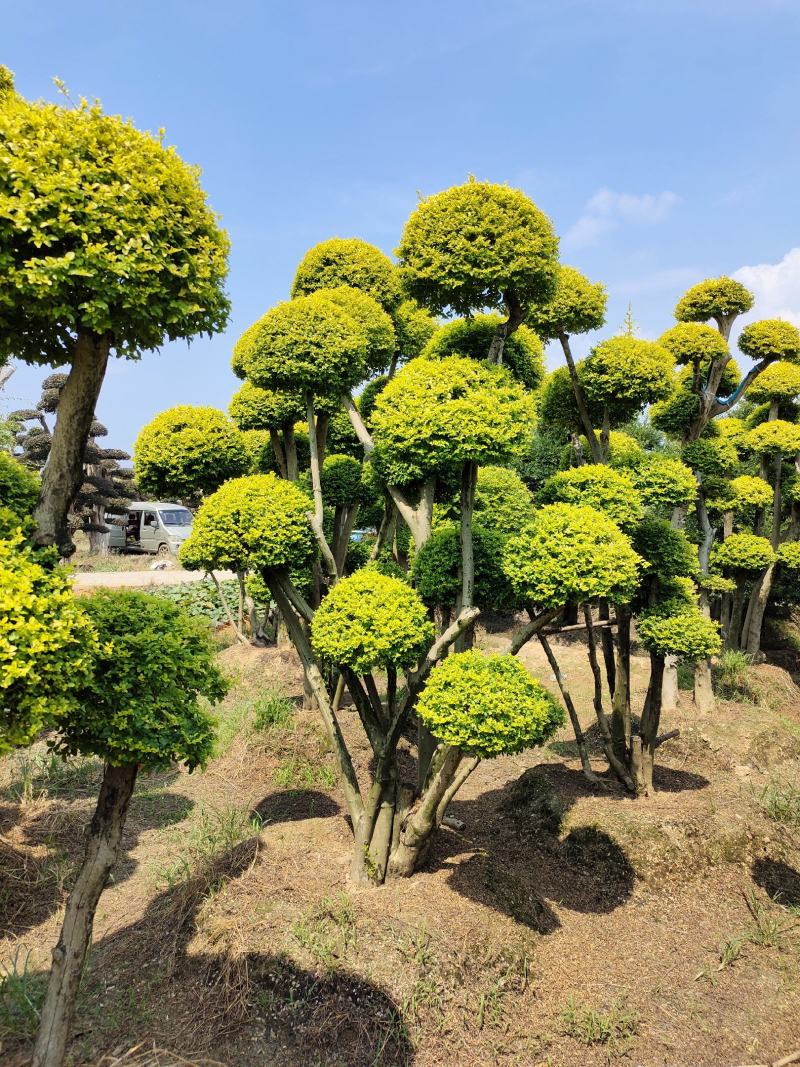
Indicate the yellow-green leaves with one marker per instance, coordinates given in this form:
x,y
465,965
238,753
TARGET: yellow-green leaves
x,y
774,436
778,381
626,373
577,306
714,298
101,227
349,261
435,414
254,408
254,523
47,645
487,705
596,485
743,552
693,342
523,352
685,633
475,245
371,620
771,339
570,554
307,343
187,452
141,704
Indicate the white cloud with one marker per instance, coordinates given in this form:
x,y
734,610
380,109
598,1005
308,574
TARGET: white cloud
x,y
776,287
606,209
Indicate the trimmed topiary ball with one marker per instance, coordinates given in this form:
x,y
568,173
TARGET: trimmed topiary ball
x,y
349,261
771,339
436,567
469,247
374,321
186,452
503,502
571,555
663,482
341,481
487,705
750,492
789,555
253,408
626,373
694,342
369,621
523,352
436,414
686,634
778,381
596,485
778,435
47,645
711,456
743,552
143,702
308,343
255,523
714,298
577,306
675,414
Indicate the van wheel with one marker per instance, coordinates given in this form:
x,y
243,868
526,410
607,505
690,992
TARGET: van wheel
x,y
163,550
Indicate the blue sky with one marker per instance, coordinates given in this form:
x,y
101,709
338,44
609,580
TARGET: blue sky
x,y
663,139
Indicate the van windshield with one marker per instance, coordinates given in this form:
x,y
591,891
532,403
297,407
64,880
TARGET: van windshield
x,y
176,517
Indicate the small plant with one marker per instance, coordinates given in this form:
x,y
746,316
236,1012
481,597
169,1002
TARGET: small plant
x,y
767,928
780,800
272,712
21,996
328,932
731,676
216,832
302,773
613,1028
37,775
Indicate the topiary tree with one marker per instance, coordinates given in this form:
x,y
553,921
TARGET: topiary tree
x,y
662,482
479,246
436,571
107,486
47,644
352,262
502,500
577,306
140,709
120,255
740,556
720,299
187,452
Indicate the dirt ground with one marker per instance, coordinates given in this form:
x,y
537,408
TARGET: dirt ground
x,y
567,925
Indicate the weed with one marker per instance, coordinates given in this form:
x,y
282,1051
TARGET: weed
x,y
36,775
613,1028
216,832
780,800
767,928
21,998
730,949
272,712
510,974
328,931
731,676
302,773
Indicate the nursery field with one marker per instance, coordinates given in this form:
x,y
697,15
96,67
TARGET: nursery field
x,y
566,924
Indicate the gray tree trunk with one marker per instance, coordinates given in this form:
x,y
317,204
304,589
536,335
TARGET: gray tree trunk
x,y
103,837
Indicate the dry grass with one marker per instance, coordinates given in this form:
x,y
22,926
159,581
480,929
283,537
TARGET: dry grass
x,y
256,951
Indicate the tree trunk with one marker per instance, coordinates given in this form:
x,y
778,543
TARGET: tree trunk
x,y
63,473
580,739
103,837
669,688
607,643
644,744
621,703
703,689
580,400
759,598
421,821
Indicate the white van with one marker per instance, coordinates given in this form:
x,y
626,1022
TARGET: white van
x,y
152,526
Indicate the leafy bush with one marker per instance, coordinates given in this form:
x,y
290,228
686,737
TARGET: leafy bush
x,y
713,298
201,599
743,552
523,352
693,342
348,261
436,569
778,435
446,260
571,554
596,485
685,633
19,487
253,408
667,552
626,373
770,339
376,324
47,645
186,452
662,482
371,620
438,413
341,481
487,705
750,491
502,500
577,306
141,704
258,522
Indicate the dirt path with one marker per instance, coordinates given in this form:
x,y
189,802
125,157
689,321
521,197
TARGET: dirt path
x,y
139,579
